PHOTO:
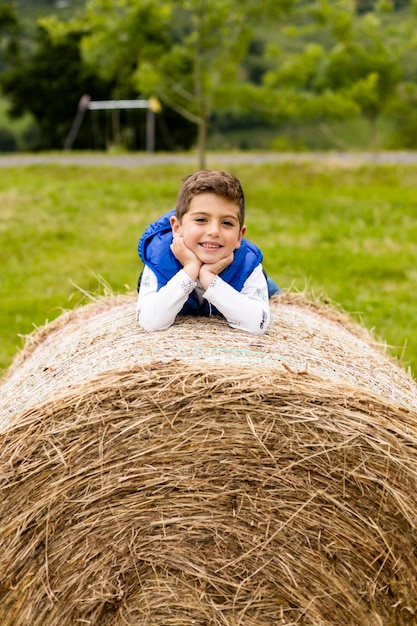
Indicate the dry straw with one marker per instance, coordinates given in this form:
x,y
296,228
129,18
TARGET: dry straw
x,y
204,476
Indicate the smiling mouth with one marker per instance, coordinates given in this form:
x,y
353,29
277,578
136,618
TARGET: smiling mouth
x,y
210,246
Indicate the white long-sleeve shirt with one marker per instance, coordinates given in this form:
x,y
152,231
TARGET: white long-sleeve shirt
x,y
246,310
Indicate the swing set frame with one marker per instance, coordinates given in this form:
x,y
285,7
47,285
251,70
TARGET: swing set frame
x,y
152,107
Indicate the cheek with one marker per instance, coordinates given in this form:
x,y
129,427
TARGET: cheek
x,y
190,233
188,238
234,241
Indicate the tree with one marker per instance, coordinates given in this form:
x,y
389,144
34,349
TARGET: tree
x,y
365,66
201,72
48,84
187,52
353,67
404,116
9,30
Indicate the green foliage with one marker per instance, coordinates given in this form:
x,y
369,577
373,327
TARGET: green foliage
x,y
48,83
404,115
366,67
30,11
183,52
349,233
364,6
348,65
49,86
202,61
120,33
289,61
9,30
23,130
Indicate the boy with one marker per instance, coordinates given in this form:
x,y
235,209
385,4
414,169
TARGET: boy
x,y
197,261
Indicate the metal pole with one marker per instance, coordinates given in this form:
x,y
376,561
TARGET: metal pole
x,y
82,108
150,131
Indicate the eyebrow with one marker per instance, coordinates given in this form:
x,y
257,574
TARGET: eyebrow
x,y
204,213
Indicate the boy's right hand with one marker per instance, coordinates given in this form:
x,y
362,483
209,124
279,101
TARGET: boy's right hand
x,y
190,262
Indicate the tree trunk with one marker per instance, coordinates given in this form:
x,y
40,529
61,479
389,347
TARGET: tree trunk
x,y
202,142
374,135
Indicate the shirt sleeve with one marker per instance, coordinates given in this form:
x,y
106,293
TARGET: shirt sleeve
x,y
157,309
246,310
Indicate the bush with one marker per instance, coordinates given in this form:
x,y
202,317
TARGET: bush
x,y
7,140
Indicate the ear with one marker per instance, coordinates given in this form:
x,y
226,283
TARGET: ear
x,y
241,235
175,225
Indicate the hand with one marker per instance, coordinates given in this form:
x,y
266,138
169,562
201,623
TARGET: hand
x,y
209,270
190,262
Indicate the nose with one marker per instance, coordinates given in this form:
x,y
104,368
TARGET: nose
x,y
213,228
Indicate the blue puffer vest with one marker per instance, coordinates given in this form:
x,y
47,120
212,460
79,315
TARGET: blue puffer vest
x,y
154,250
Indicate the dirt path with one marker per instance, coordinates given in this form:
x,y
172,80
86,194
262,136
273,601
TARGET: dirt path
x,y
143,159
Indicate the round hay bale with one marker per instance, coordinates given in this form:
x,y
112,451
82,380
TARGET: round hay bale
x,y
205,476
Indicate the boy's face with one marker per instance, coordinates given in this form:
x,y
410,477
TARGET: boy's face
x,y
210,228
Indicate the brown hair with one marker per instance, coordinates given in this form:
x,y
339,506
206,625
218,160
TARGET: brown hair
x,y
210,181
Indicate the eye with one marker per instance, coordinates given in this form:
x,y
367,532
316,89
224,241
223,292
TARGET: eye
x,y
200,220
228,223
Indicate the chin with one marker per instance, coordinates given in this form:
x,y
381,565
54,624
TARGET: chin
x,y
210,260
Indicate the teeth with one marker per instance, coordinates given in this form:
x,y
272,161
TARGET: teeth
x,y
210,246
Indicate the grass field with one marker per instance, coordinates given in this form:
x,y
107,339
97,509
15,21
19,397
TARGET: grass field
x,y
349,234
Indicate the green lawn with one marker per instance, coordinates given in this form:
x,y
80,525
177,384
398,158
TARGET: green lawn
x,y
349,234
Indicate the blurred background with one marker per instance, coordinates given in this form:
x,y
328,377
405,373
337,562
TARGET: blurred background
x,y
282,75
